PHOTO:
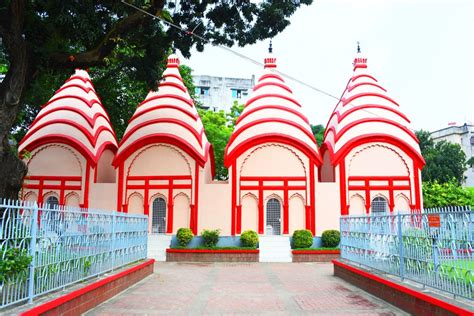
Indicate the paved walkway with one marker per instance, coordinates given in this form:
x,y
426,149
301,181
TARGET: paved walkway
x,y
253,288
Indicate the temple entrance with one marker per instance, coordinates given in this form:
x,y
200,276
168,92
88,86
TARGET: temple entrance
x,y
158,219
273,226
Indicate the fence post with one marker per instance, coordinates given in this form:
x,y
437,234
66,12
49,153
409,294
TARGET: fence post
x,y
31,273
400,246
114,218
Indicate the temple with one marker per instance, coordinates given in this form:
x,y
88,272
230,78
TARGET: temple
x,y
279,180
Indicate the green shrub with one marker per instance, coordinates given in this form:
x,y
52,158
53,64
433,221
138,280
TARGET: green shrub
x,y
331,238
184,236
302,238
15,262
249,238
210,237
446,194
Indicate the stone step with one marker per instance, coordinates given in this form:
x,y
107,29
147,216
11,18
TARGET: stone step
x,y
275,249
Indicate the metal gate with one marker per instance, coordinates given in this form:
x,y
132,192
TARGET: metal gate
x,y
273,217
158,219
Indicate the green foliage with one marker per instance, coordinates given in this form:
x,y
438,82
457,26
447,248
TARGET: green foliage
x,y
446,194
331,238
210,237
184,236
444,160
14,263
416,242
318,132
249,238
302,238
470,162
219,126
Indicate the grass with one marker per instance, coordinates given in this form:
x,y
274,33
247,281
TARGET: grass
x,y
463,266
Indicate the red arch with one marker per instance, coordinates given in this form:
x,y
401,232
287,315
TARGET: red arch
x,y
171,96
271,75
263,84
270,120
271,95
75,85
89,103
197,136
270,138
363,75
164,106
174,76
342,116
367,94
349,89
89,120
276,107
172,84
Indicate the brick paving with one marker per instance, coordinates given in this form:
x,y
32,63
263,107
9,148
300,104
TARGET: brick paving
x,y
244,288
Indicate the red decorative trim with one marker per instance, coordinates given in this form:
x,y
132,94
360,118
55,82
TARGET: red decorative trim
x,y
286,207
89,103
164,106
162,138
350,88
271,75
90,121
194,225
91,138
43,308
174,250
271,95
197,136
271,138
312,190
261,215
174,76
239,219
316,252
171,96
418,294
170,208
54,178
234,199
363,75
342,187
416,175
276,107
75,85
120,187
87,185
272,178
341,117
73,77
367,94
172,84
263,84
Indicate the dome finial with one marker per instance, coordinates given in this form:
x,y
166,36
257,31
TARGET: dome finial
x,y
270,48
358,46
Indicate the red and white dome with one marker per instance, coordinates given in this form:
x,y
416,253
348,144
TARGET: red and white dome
x,y
168,116
366,113
73,116
271,114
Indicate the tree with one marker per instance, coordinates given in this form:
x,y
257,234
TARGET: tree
x,y
219,127
444,161
49,37
318,132
446,194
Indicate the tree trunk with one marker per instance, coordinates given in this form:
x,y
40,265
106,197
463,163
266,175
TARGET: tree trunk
x,y
12,88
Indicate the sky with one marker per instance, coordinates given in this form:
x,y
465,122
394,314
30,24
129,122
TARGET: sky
x,y
421,51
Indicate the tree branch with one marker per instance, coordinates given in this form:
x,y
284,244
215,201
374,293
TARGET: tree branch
x,y
96,56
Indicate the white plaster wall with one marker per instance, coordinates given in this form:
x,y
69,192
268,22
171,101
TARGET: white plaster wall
x,y
135,204
296,214
377,160
249,213
103,196
56,160
215,206
357,204
73,199
106,173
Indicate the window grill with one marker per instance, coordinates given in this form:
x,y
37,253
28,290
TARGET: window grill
x,y
379,205
273,217
52,202
158,219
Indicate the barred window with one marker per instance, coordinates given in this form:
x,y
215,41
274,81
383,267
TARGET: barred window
x,y
379,205
52,202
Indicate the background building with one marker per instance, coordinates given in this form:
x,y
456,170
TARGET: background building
x,y
464,136
219,93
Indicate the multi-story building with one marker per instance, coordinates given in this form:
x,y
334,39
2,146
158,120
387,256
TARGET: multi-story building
x,y
464,136
220,93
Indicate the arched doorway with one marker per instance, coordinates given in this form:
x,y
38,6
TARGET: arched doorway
x,y
158,219
273,225
52,202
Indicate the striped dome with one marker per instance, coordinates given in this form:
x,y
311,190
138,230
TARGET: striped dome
x,y
365,112
167,116
271,114
73,116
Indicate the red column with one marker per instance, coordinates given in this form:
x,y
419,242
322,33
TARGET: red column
x,y
391,202
239,219
416,176
285,208
194,226
40,191
146,206
61,193
192,219
367,196
120,188
234,199
342,186
308,217
261,223
312,196
169,229
86,186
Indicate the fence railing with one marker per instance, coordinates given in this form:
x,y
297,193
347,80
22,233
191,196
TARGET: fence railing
x,y
65,245
433,247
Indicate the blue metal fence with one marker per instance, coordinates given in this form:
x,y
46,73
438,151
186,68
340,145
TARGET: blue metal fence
x,y
433,247
66,245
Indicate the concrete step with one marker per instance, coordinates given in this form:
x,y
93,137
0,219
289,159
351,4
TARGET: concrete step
x,y
157,245
275,249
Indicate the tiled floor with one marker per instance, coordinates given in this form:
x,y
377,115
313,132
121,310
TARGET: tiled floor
x,y
239,288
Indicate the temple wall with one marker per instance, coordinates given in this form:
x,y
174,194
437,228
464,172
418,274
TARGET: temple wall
x,y
328,206
103,196
215,207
